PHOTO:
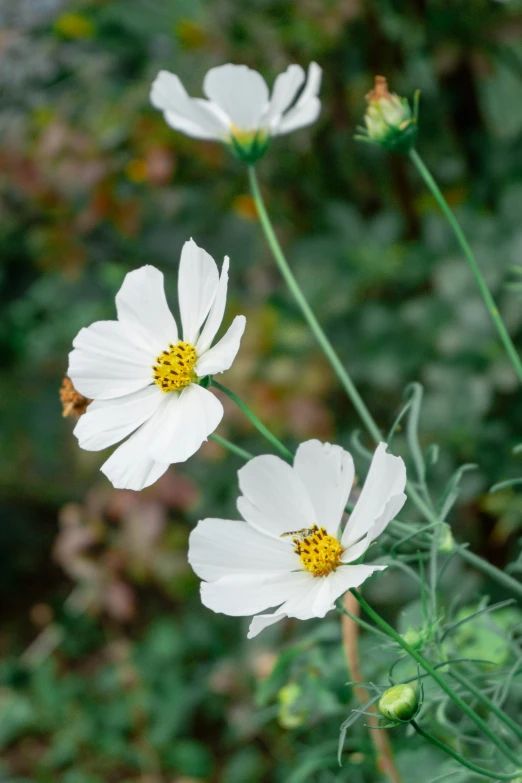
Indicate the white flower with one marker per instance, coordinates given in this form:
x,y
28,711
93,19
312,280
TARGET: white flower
x,y
239,109
144,379
290,553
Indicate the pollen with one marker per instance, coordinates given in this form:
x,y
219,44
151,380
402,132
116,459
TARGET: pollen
x,y
319,552
174,369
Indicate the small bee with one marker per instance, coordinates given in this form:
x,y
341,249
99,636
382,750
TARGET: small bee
x,y
300,534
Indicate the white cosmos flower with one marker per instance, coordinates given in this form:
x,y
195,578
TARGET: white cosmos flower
x,y
290,552
144,379
238,108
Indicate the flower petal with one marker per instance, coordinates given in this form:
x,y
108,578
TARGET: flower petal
x,y
108,421
142,307
386,478
188,419
216,313
275,500
245,595
221,356
285,89
108,361
130,466
307,108
240,92
262,621
198,282
327,472
222,547
190,116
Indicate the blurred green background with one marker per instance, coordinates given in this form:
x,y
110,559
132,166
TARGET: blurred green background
x,y
110,668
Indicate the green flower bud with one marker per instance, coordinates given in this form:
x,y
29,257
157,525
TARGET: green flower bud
x,y
400,703
413,638
390,121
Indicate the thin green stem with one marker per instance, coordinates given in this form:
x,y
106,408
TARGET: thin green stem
x,y
434,674
466,249
307,311
237,450
341,608
479,694
494,573
258,424
490,774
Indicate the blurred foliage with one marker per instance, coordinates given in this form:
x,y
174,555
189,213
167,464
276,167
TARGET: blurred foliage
x,y
131,679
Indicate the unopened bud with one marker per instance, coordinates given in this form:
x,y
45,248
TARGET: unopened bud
x,y
446,540
390,121
399,704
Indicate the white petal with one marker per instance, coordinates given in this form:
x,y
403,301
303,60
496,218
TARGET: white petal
x,y
217,311
285,89
222,547
108,361
327,472
262,621
240,92
355,551
188,419
221,356
244,595
190,116
391,509
130,466
142,307
346,577
307,108
276,495
198,282
386,479
108,421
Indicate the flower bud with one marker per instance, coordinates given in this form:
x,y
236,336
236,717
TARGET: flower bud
x,y
390,121
400,703
446,540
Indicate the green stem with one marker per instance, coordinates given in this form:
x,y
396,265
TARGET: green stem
x,y
478,693
341,608
307,311
466,249
426,665
490,774
347,383
258,424
237,450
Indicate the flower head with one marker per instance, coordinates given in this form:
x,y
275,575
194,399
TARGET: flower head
x,y
390,122
290,552
144,379
238,109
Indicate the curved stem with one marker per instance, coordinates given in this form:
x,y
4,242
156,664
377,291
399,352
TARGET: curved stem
x,y
434,674
490,774
470,258
348,385
380,739
258,424
307,311
237,450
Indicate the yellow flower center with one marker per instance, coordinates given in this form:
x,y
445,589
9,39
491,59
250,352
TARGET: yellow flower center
x,y
247,137
174,369
319,552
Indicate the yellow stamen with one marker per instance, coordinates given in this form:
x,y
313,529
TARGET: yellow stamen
x,y
174,369
319,552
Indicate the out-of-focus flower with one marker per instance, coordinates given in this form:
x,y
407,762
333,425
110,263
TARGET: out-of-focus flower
x,y
73,403
289,553
390,121
238,110
145,380
400,703
74,26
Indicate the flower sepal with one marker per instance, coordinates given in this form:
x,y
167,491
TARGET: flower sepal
x,y
249,147
206,381
390,121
